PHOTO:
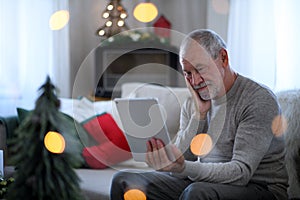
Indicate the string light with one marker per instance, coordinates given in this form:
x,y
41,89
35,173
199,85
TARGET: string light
x,y
105,15
115,15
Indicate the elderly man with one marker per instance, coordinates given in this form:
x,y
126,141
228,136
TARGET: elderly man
x,y
246,159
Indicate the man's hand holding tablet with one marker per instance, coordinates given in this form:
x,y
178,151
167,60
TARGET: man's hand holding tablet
x,y
158,159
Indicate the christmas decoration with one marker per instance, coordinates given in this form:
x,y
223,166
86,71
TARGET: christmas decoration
x,y
40,173
136,37
162,27
4,183
115,16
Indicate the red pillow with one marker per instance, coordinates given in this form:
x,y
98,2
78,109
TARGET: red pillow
x,y
112,145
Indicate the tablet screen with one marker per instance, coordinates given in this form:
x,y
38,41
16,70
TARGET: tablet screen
x,y
142,119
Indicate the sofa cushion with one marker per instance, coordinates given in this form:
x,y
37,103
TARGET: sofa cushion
x,y
82,138
7,127
76,128
112,146
290,103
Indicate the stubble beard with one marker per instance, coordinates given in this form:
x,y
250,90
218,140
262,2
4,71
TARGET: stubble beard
x,y
209,94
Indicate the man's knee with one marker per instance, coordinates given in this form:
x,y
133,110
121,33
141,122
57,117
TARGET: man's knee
x,y
120,182
128,178
119,178
199,190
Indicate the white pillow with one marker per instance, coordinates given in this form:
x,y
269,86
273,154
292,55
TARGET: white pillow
x,y
83,108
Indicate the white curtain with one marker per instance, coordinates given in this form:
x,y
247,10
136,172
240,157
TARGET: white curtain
x,y
262,41
30,51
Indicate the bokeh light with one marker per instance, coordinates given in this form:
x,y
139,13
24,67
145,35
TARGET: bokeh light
x,y
110,7
105,15
108,23
101,32
134,194
121,23
279,125
145,12
59,19
221,6
54,142
201,144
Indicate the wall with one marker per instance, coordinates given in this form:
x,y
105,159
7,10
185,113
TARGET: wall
x,y
217,16
86,19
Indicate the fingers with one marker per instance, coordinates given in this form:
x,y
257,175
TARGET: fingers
x,y
156,156
163,154
201,106
152,156
189,86
192,91
149,157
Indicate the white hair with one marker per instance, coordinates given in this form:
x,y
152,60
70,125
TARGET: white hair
x,y
208,39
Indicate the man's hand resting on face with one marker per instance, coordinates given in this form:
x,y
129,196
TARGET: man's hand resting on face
x,y
157,157
202,106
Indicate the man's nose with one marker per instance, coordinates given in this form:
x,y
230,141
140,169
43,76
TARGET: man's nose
x,y
197,78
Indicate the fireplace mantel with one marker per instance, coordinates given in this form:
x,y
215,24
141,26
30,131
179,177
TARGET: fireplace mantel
x,y
149,63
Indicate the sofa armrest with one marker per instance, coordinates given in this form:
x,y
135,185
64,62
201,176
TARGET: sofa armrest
x,y
10,124
7,128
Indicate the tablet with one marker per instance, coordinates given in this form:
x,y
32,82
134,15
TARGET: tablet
x,y
143,119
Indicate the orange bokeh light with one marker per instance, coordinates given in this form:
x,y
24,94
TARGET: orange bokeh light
x,y
279,125
54,142
134,194
201,144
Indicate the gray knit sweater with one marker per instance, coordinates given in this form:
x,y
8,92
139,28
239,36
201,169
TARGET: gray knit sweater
x,y
244,147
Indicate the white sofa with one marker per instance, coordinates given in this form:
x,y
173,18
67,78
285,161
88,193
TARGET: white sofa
x,y
172,99
96,183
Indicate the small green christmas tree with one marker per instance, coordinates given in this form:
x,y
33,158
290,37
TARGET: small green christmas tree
x,y
40,173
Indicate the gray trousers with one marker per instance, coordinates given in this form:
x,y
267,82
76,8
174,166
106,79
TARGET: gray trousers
x,y
162,186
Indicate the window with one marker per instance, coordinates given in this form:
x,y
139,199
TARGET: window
x,y
262,41
28,50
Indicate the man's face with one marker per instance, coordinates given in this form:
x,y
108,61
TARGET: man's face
x,y
203,73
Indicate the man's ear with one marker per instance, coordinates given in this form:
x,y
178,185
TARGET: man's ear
x,y
224,57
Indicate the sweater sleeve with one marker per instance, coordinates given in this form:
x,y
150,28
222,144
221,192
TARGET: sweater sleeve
x,y
189,127
252,140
